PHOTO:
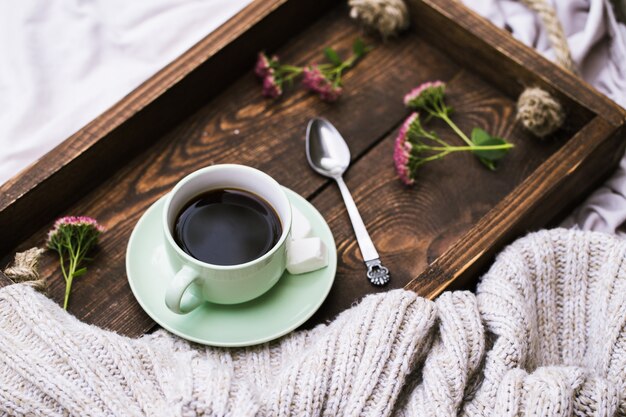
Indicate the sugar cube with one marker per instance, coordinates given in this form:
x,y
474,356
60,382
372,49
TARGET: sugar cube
x,y
300,225
306,255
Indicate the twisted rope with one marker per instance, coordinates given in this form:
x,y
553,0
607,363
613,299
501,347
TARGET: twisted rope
x,y
25,269
537,110
556,36
387,17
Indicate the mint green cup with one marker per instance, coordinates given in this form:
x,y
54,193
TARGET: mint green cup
x,y
197,281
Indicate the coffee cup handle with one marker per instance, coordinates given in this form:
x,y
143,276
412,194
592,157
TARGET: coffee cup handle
x,y
177,290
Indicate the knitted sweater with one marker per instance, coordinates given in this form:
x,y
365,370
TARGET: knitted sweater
x,y
544,335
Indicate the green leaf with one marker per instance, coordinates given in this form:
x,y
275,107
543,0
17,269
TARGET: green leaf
x,y
332,56
358,47
80,272
488,157
489,164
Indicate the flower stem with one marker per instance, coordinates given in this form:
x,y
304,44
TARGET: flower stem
x,y
76,256
471,148
454,127
335,72
289,72
435,157
291,68
62,262
351,61
68,282
291,76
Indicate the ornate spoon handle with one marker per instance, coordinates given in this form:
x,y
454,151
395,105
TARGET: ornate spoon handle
x,y
376,272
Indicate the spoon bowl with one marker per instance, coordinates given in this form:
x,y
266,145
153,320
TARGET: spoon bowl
x,y
326,150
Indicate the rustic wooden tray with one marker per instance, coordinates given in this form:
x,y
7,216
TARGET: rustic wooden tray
x,y
206,108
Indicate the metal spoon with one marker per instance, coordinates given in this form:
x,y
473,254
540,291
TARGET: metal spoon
x,y
328,155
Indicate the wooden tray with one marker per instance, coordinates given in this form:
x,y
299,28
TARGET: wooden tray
x,y
206,108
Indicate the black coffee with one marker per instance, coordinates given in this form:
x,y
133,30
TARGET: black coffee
x,y
227,227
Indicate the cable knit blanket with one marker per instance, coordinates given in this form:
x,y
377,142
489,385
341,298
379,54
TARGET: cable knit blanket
x,y
544,335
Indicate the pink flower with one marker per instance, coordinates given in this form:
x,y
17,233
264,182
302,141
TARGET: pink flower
x,y
265,69
271,86
331,93
73,238
402,152
415,98
79,221
317,82
263,65
73,222
313,78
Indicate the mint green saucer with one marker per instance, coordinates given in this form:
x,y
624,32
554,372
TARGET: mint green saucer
x,y
283,308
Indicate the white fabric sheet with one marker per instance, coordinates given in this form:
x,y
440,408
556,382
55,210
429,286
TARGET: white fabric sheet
x,y
598,44
64,62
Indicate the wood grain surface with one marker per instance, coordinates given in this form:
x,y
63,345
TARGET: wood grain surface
x,y
240,126
445,228
413,226
553,187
